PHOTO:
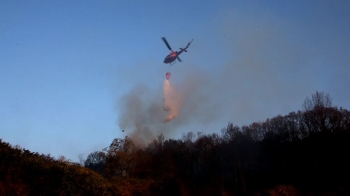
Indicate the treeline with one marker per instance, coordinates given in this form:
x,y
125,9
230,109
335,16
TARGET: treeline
x,y
26,173
302,152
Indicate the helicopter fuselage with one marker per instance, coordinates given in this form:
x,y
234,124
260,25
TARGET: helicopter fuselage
x,y
171,57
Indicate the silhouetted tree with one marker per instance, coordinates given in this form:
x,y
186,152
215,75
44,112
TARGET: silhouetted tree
x,y
319,99
315,114
121,157
96,161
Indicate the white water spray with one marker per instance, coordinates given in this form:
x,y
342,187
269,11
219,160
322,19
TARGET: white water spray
x,y
171,101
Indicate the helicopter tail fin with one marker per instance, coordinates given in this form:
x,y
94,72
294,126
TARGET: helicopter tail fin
x,y
189,43
183,49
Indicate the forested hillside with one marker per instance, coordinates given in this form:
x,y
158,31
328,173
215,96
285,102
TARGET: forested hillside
x,y
302,153
26,173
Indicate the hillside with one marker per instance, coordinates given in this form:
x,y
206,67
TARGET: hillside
x,y
26,173
302,153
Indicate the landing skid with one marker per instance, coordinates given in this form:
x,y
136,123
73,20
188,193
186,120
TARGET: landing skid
x,y
172,64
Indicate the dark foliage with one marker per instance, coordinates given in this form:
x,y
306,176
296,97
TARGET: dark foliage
x,y
25,173
96,161
302,153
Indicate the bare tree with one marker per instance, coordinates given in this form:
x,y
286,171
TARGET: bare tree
x,y
316,115
81,159
319,99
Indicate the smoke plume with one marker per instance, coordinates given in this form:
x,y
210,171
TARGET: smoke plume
x,y
255,67
143,116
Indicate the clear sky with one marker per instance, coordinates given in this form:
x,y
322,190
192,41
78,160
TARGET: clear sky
x,y
70,70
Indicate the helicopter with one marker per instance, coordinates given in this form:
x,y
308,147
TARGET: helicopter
x,y
174,55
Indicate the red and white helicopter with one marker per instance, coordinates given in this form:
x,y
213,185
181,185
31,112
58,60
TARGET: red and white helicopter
x,y
174,55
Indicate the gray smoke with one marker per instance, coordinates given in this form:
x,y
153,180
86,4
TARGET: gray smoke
x,y
145,113
256,66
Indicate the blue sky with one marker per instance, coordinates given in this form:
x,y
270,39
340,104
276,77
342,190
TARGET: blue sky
x,y
68,69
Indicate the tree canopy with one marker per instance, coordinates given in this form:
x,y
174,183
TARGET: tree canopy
x,y
303,152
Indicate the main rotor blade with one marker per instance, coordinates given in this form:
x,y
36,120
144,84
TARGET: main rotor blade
x,y
178,58
166,43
